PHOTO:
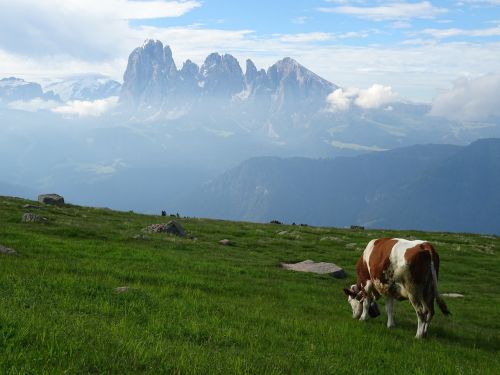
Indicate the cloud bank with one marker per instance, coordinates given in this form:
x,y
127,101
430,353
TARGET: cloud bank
x,y
371,98
90,29
470,99
389,11
83,108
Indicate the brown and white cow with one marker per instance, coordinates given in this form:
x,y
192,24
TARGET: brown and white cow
x,y
397,269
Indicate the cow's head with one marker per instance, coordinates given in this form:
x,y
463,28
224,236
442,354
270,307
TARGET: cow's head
x,y
355,299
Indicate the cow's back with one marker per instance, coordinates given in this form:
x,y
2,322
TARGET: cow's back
x,y
393,263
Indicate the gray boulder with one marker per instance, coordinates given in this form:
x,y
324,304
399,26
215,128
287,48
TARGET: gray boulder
x,y
316,267
172,227
7,251
52,199
29,217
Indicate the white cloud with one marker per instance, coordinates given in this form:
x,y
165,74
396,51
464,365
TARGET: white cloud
x,y
371,98
306,37
33,105
340,99
149,9
401,24
389,11
453,32
375,96
88,30
83,108
470,99
480,2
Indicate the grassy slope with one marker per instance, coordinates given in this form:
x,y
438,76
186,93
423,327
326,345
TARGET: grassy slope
x,y
198,307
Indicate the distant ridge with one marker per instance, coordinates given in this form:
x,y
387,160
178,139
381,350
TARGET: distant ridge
x,y
425,187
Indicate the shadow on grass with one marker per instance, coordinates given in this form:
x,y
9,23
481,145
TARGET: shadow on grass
x,y
489,343
442,334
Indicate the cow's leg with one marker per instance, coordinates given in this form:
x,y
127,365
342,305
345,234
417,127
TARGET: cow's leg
x,y
367,301
421,315
389,307
428,309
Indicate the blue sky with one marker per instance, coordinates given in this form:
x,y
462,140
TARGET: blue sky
x,y
419,48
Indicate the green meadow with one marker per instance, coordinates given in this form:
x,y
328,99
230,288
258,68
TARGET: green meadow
x,y
196,307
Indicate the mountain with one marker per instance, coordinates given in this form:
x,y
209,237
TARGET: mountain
x,y
152,81
16,89
85,87
284,108
459,193
427,187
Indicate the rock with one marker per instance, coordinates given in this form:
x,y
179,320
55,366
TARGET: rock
x,y
122,289
7,251
225,242
171,227
320,267
452,295
29,217
52,199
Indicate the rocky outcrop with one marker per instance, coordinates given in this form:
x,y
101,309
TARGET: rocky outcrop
x,y
29,217
320,267
52,199
7,251
172,227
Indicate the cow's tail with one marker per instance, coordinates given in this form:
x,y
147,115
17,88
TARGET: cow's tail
x,y
439,299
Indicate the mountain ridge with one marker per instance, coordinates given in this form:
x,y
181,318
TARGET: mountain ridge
x,y
152,79
426,187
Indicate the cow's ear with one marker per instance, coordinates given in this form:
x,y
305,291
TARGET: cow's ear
x,y
349,292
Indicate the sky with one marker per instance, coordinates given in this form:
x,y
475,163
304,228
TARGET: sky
x,y
419,49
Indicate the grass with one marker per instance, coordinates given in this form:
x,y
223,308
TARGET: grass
x,y
194,306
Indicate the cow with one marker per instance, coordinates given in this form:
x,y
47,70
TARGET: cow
x,y
397,269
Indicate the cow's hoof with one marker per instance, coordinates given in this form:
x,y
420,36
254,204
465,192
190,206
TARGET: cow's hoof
x,y
391,325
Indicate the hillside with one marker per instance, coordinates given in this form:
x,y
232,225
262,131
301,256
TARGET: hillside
x,y
194,306
426,187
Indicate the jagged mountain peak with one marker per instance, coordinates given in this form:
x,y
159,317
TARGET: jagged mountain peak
x,y
150,76
152,80
250,71
224,62
288,61
289,67
221,75
189,68
151,43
